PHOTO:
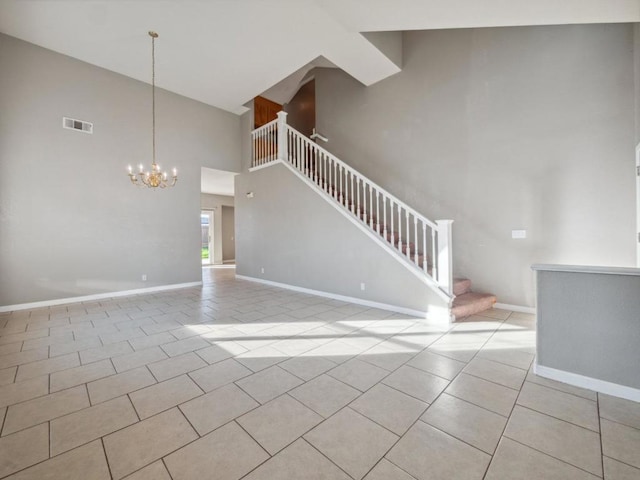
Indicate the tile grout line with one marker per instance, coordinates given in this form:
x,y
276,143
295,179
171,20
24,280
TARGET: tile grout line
x,y
4,419
106,458
508,364
472,403
269,456
551,456
619,423
624,463
600,433
588,430
135,410
557,389
326,457
165,467
189,422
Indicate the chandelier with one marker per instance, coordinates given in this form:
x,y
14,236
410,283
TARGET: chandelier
x,y
155,177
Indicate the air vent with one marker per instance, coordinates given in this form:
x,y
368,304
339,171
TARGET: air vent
x,y
79,125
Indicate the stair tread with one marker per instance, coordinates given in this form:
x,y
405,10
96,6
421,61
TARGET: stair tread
x,y
471,303
471,297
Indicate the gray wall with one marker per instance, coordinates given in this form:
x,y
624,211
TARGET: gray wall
x,y
301,109
636,65
500,129
70,221
228,234
215,203
588,323
308,243
209,201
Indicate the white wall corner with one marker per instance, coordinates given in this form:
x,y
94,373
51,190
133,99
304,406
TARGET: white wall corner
x,y
389,43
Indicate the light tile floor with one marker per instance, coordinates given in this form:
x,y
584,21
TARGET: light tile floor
x,y
241,380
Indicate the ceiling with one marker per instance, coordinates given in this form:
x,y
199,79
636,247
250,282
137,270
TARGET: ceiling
x,y
225,52
283,91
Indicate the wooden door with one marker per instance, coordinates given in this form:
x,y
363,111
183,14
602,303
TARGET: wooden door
x,y
264,111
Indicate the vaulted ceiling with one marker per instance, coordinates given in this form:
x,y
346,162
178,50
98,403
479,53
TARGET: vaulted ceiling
x,y
225,52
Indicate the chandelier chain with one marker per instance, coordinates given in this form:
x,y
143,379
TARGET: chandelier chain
x,y
153,94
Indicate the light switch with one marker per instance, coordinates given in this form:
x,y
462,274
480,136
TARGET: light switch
x,y
518,234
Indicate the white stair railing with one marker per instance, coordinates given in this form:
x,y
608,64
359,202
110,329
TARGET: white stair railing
x,y
265,143
420,241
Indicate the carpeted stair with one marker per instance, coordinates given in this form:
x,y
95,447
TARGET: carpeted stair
x,y
467,302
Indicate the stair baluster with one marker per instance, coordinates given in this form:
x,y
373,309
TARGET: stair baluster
x,y
424,248
371,207
400,228
393,237
408,233
415,240
384,210
378,212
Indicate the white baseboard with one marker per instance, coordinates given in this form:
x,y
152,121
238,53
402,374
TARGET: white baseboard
x,y
515,308
590,383
231,260
97,296
344,298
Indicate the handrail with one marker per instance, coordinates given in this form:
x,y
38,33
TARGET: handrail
x,y
421,242
351,170
265,126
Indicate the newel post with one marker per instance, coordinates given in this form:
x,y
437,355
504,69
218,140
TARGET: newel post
x,y
445,255
282,136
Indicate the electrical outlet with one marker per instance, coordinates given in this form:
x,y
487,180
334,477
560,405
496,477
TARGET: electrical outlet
x,y
262,269
144,277
518,234
362,286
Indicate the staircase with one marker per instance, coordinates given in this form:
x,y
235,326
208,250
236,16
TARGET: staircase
x,y
424,246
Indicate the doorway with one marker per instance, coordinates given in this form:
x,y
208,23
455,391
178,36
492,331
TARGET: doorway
x,y
206,227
